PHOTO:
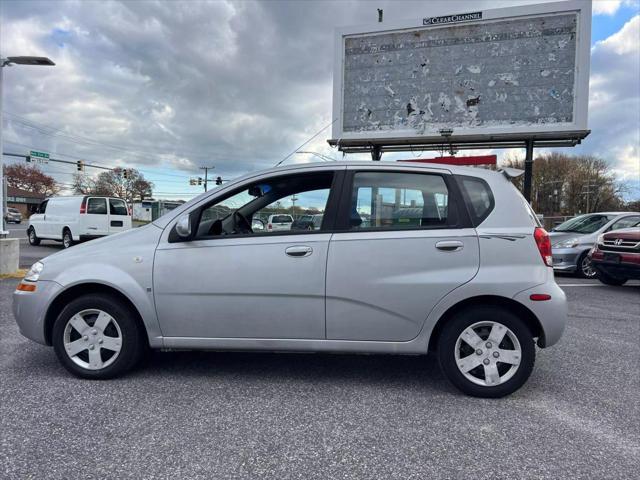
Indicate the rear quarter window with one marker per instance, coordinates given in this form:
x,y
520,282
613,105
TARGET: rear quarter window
x,y
478,197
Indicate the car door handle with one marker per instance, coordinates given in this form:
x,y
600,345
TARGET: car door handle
x,y
450,245
299,251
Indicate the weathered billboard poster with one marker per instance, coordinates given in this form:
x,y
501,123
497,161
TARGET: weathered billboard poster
x,y
508,70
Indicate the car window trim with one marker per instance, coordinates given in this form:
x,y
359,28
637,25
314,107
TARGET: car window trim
x,y
343,225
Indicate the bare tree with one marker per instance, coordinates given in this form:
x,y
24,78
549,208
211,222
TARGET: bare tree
x,y
571,184
113,183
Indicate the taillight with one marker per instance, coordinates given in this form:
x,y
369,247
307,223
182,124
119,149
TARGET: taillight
x,y
129,210
269,226
544,245
83,205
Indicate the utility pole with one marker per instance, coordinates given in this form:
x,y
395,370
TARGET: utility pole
x,y
206,175
8,62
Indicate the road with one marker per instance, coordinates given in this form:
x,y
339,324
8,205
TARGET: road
x,y
250,415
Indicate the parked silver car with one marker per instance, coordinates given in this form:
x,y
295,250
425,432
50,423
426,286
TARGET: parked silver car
x,y
449,259
572,240
12,215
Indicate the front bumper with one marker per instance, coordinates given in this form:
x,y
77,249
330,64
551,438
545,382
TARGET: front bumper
x,y
30,308
566,259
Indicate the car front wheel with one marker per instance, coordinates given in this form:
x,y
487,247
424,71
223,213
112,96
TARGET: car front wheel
x,y
585,266
97,336
486,351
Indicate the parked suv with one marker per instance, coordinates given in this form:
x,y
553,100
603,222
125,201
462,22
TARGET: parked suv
x,y
616,256
409,259
12,215
77,218
279,222
572,240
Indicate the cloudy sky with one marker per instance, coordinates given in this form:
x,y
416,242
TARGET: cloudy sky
x,y
167,87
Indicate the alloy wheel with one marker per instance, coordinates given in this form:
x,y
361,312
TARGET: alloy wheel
x,y
586,266
92,339
488,353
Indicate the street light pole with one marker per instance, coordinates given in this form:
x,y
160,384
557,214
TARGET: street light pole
x,y
7,62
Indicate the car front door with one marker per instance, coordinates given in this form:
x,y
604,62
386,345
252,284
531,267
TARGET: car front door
x,y
228,282
407,242
96,220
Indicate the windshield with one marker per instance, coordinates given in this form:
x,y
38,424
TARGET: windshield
x,y
584,223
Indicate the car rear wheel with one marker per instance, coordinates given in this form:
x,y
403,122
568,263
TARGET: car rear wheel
x,y
585,266
97,336
67,238
33,238
486,351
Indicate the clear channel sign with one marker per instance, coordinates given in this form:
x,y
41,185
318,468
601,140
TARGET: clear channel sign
x,y
519,70
38,157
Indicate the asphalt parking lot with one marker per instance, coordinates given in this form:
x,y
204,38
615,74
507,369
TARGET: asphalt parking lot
x,y
248,415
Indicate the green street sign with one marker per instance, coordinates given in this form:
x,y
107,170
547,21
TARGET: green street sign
x,y
38,157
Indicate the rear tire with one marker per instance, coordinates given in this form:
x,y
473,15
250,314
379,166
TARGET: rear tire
x,y
67,238
486,351
88,332
33,238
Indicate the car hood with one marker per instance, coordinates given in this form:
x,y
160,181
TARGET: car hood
x,y
106,249
557,237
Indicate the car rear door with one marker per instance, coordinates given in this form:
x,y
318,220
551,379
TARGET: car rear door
x,y
119,219
405,242
96,220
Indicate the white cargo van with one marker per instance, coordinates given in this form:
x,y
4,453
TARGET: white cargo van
x,y
78,218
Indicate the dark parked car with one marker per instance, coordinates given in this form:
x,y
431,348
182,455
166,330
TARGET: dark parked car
x,y
616,256
307,222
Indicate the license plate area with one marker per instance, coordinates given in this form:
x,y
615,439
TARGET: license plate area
x,y
611,257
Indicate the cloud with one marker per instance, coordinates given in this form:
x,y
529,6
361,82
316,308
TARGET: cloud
x,y
614,107
171,86
606,7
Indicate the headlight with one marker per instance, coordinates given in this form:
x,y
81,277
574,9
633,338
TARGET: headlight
x,y
600,240
34,272
570,243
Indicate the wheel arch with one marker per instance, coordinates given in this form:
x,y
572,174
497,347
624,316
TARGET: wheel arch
x,y
64,297
529,318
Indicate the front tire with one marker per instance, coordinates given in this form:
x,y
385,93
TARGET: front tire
x,y
486,351
97,336
584,268
33,238
609,280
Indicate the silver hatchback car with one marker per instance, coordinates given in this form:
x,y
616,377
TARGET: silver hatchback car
x,y
408,260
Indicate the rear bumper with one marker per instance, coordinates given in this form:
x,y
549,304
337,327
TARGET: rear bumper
x,y
552,313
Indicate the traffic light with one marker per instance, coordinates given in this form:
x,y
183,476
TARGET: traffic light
x,y
199,180
125,173
80,166
192,181
28,158
218,180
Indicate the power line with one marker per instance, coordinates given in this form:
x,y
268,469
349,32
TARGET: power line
x,y
314,136
75,138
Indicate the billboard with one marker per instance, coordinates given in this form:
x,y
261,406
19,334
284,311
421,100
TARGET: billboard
x,y
519,71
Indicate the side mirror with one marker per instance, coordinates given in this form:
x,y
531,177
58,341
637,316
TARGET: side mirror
x,y
183,227
257,225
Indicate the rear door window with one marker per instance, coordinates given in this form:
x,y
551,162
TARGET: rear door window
x,y
478,197
97,206
117,207
399,200
282,219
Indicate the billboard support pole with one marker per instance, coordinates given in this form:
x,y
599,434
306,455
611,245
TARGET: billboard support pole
x,y
528,170
376,153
